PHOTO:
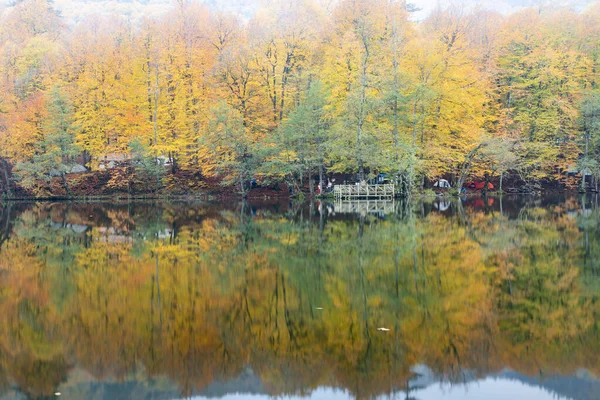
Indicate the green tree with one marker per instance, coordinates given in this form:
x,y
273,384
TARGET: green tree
x,y
590,125
500,156
304,136
147,167
55,154
237,160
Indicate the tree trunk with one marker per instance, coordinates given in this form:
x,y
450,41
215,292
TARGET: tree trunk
x,y
466,167
6,186
173,163
284,79
486,182
321,177
361,110
65,185
583,182
396,129
400,183
501,176
149,78
242,189
311,184
85,157
155,111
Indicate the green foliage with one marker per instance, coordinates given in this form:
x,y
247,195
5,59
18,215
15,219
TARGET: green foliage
x,y
428,193
355,144
148,168
589,123
303,138
237,153
55,154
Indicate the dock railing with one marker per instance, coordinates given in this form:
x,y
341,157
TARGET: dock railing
x,y
363,191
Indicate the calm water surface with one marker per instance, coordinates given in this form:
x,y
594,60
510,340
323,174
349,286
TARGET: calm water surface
x,y
471,299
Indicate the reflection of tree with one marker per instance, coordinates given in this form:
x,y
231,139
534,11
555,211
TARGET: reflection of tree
x,y
38,378
201,298
5,219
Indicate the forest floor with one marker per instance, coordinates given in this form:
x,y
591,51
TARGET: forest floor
x,y
118,183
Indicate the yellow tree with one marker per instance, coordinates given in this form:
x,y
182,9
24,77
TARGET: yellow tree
x,y
94,59
542,71
283,38
449,92
179,85
353,51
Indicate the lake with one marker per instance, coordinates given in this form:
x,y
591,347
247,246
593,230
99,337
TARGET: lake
x,y
462,299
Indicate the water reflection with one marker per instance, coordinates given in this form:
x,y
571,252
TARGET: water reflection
x,y
167,300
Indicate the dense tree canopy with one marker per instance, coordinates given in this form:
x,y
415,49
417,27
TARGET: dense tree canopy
x,y
410,99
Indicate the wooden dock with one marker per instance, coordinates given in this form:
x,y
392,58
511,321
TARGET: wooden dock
x,y
355,192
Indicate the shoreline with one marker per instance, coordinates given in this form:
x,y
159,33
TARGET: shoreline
x,y
208,197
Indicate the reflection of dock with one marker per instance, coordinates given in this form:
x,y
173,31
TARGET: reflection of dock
x,y
364,206
352,192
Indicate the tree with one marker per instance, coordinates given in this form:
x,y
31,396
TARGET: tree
x,y
400,149
590,125
55,154
147,167
304,136
230,141
500,155
450,92
283,38
541,74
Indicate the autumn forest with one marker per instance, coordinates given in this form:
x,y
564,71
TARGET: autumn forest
x,y
298,91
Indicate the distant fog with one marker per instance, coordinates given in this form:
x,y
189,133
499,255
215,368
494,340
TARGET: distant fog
x,y
76,10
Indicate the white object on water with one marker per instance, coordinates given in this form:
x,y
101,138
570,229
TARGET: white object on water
x,y
318,308
57,393
383,329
